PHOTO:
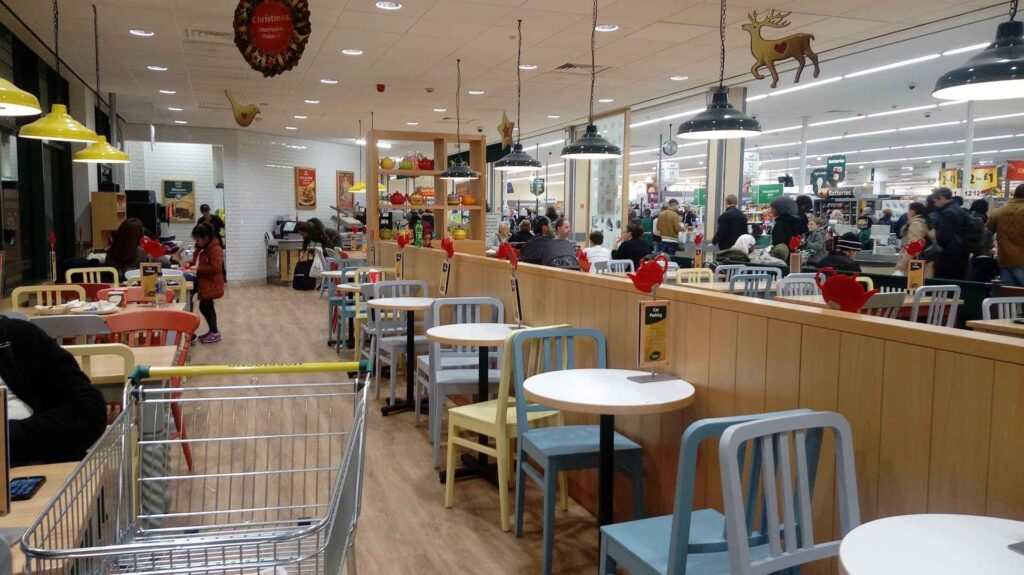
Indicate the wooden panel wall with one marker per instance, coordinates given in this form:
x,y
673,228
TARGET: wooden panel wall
x,y
935,412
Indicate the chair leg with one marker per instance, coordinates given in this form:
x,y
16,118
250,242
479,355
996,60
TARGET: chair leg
x,y
637,479
503,468
417,397
436,405
449,476
393,362
607,562
550,493
520,493
376,366
563,490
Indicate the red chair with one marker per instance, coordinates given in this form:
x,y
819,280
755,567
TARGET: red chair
x,y
132,294
154,327
92,290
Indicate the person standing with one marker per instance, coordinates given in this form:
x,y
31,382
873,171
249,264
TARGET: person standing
x,y
1007,223
655,234
816,240
669,226
804,207
786,224
688,217
915,229
731,224
208,262
213,220
950,225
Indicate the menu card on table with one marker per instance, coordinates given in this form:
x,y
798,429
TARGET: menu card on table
x,y
399,265
149,273
446,273
915,275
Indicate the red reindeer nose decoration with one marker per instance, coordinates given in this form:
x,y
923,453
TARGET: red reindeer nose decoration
x,y
584,261
402,239
449,247
842,291
152,248
915,248
699,240
794,243
650,274
507,252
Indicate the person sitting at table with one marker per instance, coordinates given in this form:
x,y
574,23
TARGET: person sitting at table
x,y
739,252
125,253
595,250
501,236
631,245
523,235
54,413
842,259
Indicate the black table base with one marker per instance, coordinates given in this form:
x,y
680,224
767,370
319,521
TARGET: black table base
x,y
407,404
606,472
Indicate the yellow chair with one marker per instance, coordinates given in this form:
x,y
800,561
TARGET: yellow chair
x,y
46,295
91,276
494,419
85,353
869,284
694,276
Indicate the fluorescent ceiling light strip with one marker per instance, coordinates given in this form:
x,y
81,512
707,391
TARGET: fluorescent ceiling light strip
x,y
1000,117
930,144
987,152
1003,137
773,146
928,126
899,64
838,121
644,163
664,118
647,151
828,139
874,133
1012,150
953,103
778,130
756,98
780,159
964,49
902,111
551,143
799,87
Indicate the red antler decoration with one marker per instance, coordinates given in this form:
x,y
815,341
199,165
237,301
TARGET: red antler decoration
x,y
915,248
794,243
699,240
584,261
449,247
402,239
507,252
650,274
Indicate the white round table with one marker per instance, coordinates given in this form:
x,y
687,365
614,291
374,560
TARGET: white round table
x,y
483,336
934,545
411,305
607,392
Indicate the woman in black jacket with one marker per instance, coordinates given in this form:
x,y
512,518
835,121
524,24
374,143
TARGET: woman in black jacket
x,y
67,414
635,248
786,224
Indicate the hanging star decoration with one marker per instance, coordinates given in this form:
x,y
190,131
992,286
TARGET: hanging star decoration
x,y
505,130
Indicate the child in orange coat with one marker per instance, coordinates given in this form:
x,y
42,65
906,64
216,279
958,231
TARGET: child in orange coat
x,y
208,265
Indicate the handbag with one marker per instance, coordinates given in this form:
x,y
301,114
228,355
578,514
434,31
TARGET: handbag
x,y
932,252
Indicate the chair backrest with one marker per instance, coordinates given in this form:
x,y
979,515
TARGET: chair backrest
x,y
81,328
724,273
132,294
456,310
751,285
787,470
401,288
1006,307
98,275
672,267
154,327
85,353
694,276
383,322
886,304
92,290
541,350
620,266
789,286
45,295
600,267
773,271
869,284
940,297
697,433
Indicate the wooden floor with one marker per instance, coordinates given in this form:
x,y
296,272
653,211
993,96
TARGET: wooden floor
x,y
404,527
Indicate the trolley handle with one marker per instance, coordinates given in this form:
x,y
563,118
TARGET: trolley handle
x,y
142,372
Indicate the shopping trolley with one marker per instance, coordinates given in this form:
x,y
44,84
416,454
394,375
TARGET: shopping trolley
x,y
275,486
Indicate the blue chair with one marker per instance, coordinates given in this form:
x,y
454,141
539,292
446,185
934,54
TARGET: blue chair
x,y
337,326
555,450
757,285
691,541
334,263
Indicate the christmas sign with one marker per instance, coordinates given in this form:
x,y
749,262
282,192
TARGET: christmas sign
x,y
272,34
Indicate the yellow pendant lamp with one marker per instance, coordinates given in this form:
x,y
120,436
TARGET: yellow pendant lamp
x,y
101,152
17,102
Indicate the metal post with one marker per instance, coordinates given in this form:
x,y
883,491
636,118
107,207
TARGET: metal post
x,y
801,179
968,146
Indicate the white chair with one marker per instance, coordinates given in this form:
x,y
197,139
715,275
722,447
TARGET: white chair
x,y
886,304
775,272
1006,307
82,328
724,273
95,275
757,285
940,297
388,328
797,286
620,266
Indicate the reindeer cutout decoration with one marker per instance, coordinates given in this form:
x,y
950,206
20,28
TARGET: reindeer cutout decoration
x,y
767,52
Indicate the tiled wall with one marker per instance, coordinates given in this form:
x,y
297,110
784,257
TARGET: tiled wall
x,y
173,161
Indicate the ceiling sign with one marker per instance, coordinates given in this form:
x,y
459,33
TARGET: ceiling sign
x,y
272,34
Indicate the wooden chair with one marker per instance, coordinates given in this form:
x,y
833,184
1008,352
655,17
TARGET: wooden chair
x,y
132,294
884,305
158,327
45,295
941,307
694,276
85,353
98,275
77,329
1006,307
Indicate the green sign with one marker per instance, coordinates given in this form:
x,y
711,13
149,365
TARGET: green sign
x,y
836,167
765,193
177,189
537,187
700,196
819,179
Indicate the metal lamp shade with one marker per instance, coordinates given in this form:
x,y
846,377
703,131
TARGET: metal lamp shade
x,y
459,172
101,152
59,126
17,102
517,161
720,121
995,73
591,146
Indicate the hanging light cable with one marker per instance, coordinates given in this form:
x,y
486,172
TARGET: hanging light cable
x,y
100,152
58,125
720,120
995,73
517,160
458,171
591,146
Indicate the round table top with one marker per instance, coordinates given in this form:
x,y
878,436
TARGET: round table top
x,y
349,287
933,544
479,334
401,303
607,392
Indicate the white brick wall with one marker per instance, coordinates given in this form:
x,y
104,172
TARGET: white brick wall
x,y
173,161
256,192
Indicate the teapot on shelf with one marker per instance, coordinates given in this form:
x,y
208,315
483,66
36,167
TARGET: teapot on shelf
x,y
397,198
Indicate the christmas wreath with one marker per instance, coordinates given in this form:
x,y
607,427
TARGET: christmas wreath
x,y
272,34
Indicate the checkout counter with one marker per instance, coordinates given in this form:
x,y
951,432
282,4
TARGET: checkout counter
x,y
284,250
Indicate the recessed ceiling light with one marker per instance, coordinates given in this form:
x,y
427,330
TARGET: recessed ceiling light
x,y
290,128
679,78
476,92
169,92
389,5
527,66
412,123
156,68
174,109
141,32
440,109
606,27
352,52
312,101
300,117
606,100
328,81
554,116
181,121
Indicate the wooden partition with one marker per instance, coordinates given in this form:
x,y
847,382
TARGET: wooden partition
x,y
937,414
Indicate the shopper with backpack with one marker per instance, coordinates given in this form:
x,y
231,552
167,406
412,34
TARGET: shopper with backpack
x,y
1008,225
956,235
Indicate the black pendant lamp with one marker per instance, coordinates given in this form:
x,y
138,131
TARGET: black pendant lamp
x,y
720,120
459,171
995,73
591,146
517,160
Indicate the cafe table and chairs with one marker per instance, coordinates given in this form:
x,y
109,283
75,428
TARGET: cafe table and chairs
x,y
936,304
460,333
392,320
751,284
1011,327
95,275
934,544
26,297
797,284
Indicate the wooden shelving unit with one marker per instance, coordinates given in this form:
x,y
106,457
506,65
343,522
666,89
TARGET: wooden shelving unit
x,y
109,210
477,146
